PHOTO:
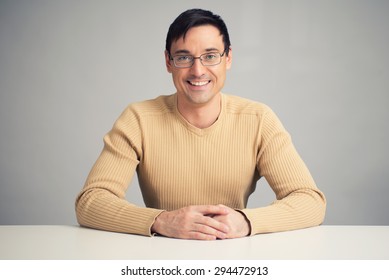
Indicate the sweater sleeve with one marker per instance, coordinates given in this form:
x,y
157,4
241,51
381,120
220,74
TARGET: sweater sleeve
x,y
299,203
101,204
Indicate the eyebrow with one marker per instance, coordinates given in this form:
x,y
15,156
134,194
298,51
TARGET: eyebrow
x,y
183,51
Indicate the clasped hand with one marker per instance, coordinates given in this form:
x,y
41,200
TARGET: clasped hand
x,y
202,222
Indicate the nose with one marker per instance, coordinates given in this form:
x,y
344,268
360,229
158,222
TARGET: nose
x,y
197,68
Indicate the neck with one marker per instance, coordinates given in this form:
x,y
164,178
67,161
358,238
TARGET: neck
x,y
200,115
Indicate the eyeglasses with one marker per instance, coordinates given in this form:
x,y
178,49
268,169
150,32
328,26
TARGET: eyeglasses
x,y
206,59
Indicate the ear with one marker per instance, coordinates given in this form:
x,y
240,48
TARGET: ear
x,y
229,58
168,62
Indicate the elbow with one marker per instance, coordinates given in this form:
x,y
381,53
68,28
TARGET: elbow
x,y
320,208
81,208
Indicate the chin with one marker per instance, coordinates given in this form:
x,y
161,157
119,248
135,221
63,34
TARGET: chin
x,y
200,98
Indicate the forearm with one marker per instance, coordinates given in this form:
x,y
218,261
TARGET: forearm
x,y
100,209
300,209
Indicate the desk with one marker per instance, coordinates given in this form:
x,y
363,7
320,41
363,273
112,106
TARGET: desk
x,y
78,243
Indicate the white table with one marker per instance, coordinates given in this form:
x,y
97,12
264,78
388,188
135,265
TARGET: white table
x,y
77,243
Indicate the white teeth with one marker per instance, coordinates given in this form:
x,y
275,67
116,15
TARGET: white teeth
x,y
198,83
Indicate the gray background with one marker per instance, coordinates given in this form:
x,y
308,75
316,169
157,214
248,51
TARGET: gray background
x,y
69,68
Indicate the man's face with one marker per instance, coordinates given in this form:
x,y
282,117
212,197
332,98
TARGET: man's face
x,y
199,84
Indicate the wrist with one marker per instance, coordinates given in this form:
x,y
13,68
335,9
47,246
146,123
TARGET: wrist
x,y
154,229
247,226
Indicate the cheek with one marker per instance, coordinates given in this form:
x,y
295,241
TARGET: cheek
x,y
220,76
178,79
179,76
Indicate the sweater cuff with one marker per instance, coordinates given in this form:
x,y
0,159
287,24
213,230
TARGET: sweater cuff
x,y
142,222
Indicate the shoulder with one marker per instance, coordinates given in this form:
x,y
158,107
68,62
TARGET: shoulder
x,y
137,112
239,105
157,106
262,114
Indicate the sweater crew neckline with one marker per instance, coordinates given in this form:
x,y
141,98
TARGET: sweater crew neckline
x,y
196,130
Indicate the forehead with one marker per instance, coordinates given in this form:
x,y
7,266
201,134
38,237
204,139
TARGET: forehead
x,y
198,39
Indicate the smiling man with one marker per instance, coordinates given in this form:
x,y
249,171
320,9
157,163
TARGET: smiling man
x,y
199,153
199,80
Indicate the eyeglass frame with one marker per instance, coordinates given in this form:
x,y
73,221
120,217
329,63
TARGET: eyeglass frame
x,y
171,58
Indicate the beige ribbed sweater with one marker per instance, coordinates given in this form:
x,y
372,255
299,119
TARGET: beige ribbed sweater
x,y
180,165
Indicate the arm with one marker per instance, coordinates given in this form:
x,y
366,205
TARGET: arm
x,y
101,204
299,203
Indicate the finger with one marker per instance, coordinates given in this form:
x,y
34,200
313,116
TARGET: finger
x,y
211,209
201,236
209,225
239,226
206,233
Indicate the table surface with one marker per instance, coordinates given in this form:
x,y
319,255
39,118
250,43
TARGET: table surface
x,y
78,243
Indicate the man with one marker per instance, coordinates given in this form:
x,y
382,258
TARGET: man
x,y
198,153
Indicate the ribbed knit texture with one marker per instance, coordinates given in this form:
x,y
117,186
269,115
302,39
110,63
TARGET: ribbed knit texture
x,y
180,165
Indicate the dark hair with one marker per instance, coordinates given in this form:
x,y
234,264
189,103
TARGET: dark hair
x,y
193,18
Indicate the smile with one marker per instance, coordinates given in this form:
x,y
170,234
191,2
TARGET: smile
x,y
199,84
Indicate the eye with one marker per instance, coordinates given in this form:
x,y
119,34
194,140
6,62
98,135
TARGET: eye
x,y
210,56
183,58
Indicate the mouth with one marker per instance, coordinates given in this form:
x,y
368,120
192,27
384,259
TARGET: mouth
x,y
199,83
